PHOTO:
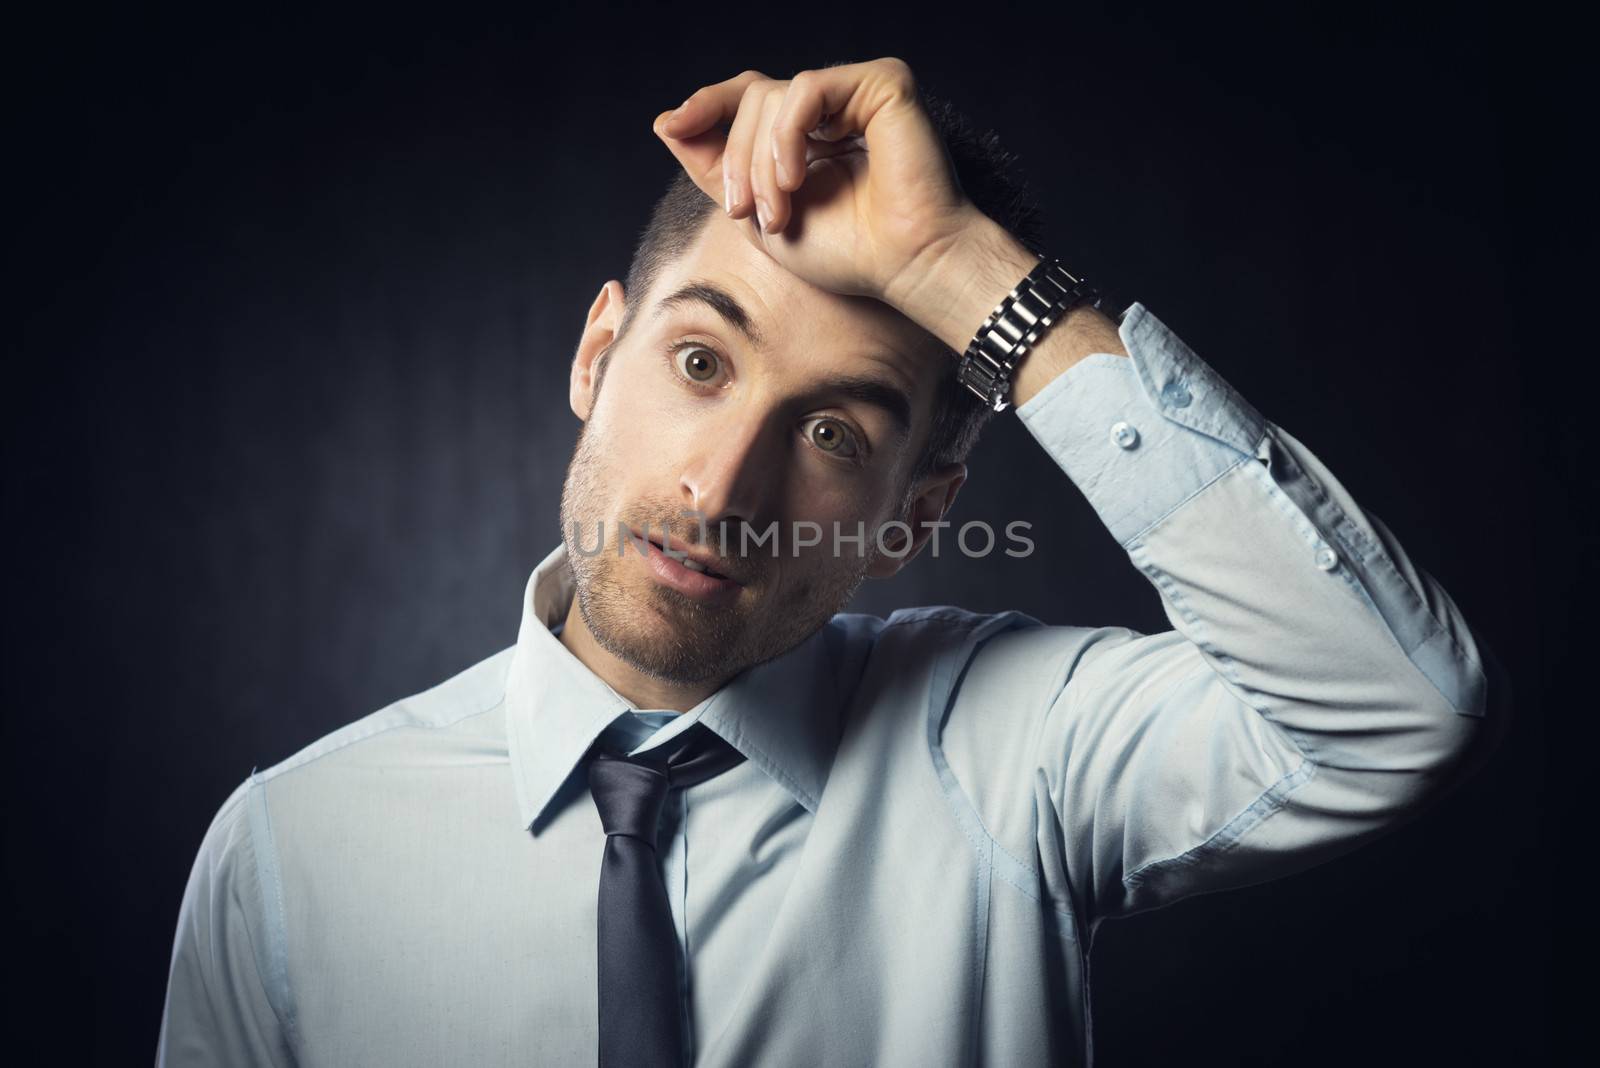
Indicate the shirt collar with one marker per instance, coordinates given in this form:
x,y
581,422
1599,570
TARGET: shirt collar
x,y
783,715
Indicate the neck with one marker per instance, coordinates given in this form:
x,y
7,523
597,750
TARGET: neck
x,y
637,688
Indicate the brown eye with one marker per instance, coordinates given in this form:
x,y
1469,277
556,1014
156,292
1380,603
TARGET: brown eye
x,y
698,363
831,436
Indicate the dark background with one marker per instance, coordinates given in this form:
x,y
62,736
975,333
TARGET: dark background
x,y
295,300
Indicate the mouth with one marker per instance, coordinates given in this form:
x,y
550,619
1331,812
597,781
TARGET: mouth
x,y
696,574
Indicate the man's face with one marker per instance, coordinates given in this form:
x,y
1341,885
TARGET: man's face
x,y
819,420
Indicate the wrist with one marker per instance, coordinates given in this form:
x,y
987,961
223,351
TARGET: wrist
x,y
953,285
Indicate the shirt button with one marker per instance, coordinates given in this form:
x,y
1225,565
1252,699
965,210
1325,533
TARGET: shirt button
x,y
1326,559
1174,394
1124,435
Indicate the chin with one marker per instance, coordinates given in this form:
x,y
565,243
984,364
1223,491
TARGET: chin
x,y
664,634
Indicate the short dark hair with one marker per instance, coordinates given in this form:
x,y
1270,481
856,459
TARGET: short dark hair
x,y
987,176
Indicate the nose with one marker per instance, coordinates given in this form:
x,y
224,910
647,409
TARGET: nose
x,y
733,468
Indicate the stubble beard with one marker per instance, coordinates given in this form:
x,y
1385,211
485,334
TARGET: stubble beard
x,y
671,636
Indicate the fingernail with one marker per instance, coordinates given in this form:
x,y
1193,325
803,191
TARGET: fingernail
x,y
727,193
783,172
761,212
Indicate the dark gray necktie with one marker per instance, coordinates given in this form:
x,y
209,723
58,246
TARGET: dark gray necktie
x,y
638,945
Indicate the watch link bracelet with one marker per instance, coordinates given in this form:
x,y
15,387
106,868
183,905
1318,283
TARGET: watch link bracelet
x,y
1047,293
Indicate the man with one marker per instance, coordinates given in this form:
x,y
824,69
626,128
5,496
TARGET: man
x,y
696,814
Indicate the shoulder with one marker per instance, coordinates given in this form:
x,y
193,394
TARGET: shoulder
x,y
318,804
1009,641
435,713
432,716
956,651
352,778
864,627
227,840
936,626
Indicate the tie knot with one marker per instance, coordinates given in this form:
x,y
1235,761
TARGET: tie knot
x,y
629,790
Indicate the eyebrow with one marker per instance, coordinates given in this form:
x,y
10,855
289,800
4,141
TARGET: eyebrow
x,y
890,399
718,300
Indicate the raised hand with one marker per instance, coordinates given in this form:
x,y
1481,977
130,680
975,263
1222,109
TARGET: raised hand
x,y
840,171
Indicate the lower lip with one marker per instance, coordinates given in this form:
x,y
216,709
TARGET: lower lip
x,y
696,584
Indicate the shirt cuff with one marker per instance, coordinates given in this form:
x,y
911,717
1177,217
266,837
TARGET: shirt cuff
x,y
1141,434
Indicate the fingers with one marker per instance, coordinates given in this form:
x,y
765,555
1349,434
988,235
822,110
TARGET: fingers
x,y
772,203
738,200
749,184
712,104
777,128
805,106
846,96
691,134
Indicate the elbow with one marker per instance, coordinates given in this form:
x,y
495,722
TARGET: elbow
x,y
1461,729
1474,733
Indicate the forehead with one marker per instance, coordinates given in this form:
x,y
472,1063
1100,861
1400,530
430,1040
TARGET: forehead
x,y
798,332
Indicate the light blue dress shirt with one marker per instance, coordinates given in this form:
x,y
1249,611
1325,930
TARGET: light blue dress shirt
x,y
937,811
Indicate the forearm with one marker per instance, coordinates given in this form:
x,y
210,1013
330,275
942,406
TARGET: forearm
x,y
952,291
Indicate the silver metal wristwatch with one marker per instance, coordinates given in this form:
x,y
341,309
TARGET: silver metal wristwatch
x,y
1047,293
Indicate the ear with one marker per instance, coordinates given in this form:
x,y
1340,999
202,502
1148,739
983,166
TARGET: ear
x,y
934,496
599,332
